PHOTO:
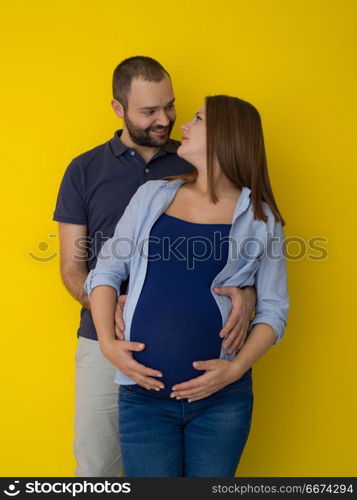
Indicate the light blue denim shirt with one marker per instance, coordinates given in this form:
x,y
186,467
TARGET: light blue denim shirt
x,y
256,257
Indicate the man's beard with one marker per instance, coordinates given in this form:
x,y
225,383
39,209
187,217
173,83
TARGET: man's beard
x,y
142,137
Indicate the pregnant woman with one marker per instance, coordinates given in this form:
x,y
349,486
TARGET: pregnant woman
x,y
179,238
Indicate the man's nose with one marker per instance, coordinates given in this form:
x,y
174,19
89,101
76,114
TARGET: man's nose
x,y
163,119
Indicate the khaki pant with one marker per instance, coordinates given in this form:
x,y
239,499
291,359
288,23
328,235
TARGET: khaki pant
x,y
96,443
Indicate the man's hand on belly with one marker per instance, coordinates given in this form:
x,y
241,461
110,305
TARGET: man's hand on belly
x,y
118,317
119,353
236,327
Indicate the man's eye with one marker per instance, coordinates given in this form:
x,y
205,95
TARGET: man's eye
x,y
150,112
198,117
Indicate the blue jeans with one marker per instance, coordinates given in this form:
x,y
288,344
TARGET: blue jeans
x,y
161,437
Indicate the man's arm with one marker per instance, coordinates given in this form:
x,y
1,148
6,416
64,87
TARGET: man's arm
x,y
73,260
74,269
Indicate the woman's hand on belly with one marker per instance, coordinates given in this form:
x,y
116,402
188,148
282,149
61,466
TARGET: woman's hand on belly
x,y
219,373
119,353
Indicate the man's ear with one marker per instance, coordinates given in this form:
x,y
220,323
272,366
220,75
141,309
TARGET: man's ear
x,y
118,108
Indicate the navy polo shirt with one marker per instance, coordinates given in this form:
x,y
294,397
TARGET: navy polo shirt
x,y
96,188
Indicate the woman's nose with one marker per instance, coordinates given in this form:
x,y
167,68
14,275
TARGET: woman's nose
x,y
184,127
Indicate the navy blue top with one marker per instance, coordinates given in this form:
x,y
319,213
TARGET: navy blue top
x,y
97,187
176,316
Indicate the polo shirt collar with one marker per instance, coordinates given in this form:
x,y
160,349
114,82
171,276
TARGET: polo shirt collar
x,y
119,147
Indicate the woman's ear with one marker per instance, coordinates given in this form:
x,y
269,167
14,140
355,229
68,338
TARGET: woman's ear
x,y
118,108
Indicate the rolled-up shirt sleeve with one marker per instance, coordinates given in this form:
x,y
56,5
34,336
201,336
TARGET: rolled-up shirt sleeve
x,y
113,263
271,284
71,199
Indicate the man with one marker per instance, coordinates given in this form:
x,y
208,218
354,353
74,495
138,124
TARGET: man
x,y
95,190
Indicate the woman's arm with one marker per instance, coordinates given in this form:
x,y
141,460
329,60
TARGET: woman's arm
x,y
261,337
119,352
271,283
103,302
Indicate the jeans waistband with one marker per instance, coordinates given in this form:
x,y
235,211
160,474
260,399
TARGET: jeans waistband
x,y
151,392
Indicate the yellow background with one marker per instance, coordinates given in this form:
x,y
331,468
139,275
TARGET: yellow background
x,y
294,60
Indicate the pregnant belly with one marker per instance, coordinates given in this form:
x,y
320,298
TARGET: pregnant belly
x,y
176,333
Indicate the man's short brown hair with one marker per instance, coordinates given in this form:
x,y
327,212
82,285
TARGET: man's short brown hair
x,y
135,67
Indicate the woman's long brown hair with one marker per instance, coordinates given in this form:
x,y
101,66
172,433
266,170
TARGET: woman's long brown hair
x,y
235,138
